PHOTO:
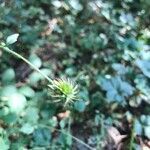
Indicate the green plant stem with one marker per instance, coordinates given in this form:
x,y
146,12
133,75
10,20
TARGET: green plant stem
x,y
6,49
132,136
76,139
67,134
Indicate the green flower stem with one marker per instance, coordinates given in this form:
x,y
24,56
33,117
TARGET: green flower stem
x,y
6,49
132,136
67,134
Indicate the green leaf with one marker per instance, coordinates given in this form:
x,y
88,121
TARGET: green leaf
x,y
27,129
35,60
63,123
57,3
75,5
135,101
16,103
4,142
137,127
35,77
143,119
117,90
4,111
148,120
4,145
147,131
7,91
144,65
119,68
10,118
12,38
31,115
84,94
42,137
142,84
80,106
70,71
27,91
8,75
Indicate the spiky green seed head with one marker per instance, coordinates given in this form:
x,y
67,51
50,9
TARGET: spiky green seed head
x,y
65,90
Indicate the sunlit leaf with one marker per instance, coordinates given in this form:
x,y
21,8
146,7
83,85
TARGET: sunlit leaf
x,y
12,38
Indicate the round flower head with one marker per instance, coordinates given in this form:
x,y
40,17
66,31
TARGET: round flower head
x,y
64,89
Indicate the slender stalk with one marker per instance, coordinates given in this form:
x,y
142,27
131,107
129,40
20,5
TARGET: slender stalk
x,y
67,134
78,140
6,49
132,136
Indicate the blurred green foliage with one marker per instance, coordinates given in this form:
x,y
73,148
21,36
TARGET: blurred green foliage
x,y
101,44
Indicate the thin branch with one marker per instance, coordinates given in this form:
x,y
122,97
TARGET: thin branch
x,y
73,137
6,49
132,136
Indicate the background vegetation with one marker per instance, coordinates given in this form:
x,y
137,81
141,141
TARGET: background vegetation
x,y
102,45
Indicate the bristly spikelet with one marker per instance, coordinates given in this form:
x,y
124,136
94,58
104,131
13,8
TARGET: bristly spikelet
x,y
64,89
